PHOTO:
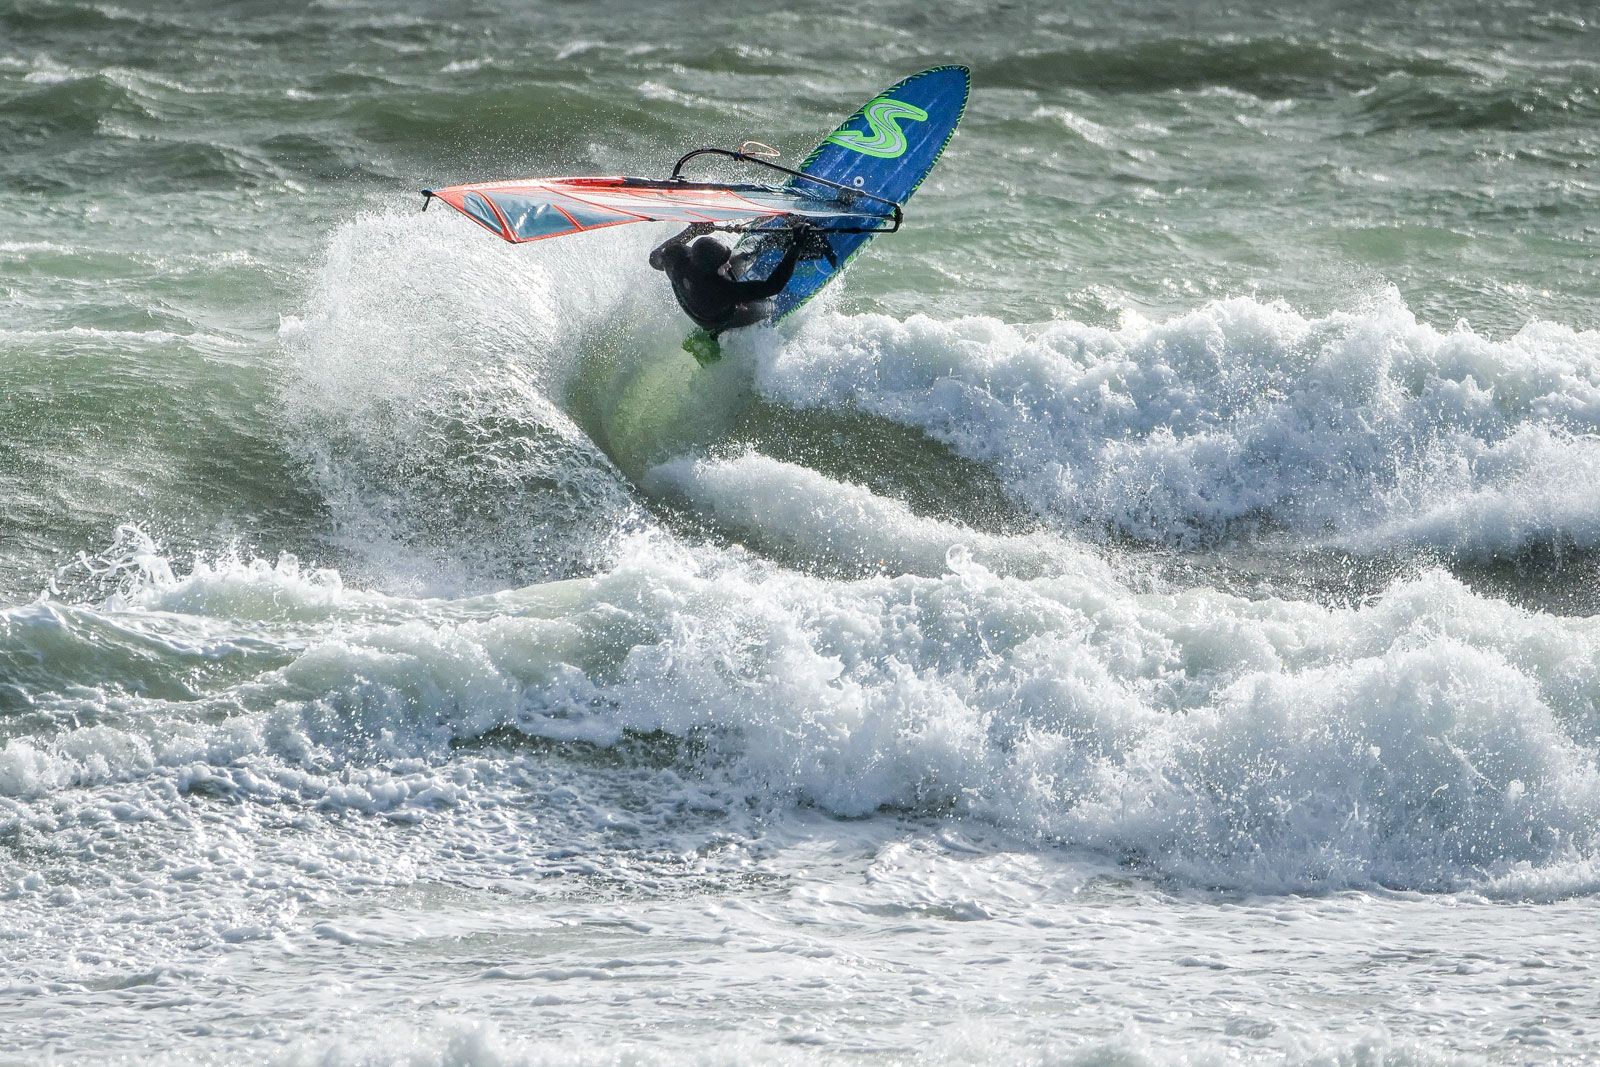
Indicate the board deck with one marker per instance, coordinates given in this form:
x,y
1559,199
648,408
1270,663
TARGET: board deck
x,y
886,148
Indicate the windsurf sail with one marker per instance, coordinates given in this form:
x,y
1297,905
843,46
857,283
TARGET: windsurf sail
x,y
534,209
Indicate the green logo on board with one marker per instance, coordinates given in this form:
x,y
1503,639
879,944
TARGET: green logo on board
x,y
883,115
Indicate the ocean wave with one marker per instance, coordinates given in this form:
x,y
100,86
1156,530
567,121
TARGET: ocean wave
x,y
1404,103
1264,66
801,516
466,1042
59,15
1428,740
462,415
75,105
196,164
94,335
1366,429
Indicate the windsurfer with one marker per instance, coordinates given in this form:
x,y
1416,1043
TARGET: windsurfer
x,y
702,269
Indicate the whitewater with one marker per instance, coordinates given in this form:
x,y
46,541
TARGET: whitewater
x,y
1145,615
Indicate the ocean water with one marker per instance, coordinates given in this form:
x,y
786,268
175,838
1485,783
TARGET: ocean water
x,y
1144,615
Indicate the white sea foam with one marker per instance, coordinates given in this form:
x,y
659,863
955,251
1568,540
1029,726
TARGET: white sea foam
x,y
118,337
1431,739
1088,129
798,514
1366,429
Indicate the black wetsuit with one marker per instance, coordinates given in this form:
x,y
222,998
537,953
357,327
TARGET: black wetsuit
x,y
700,278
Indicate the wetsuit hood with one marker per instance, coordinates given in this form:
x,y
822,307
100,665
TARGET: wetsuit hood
x,y
707,254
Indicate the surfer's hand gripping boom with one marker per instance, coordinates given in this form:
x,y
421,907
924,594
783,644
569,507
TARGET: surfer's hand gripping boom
x,y
808,235
810,239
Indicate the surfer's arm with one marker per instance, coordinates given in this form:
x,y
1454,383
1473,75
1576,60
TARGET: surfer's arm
x,y
774,282
658,255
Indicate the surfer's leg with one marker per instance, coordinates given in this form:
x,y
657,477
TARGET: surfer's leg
x,y
748,314
704,344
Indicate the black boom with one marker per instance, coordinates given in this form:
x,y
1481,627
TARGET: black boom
x,y
851,195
